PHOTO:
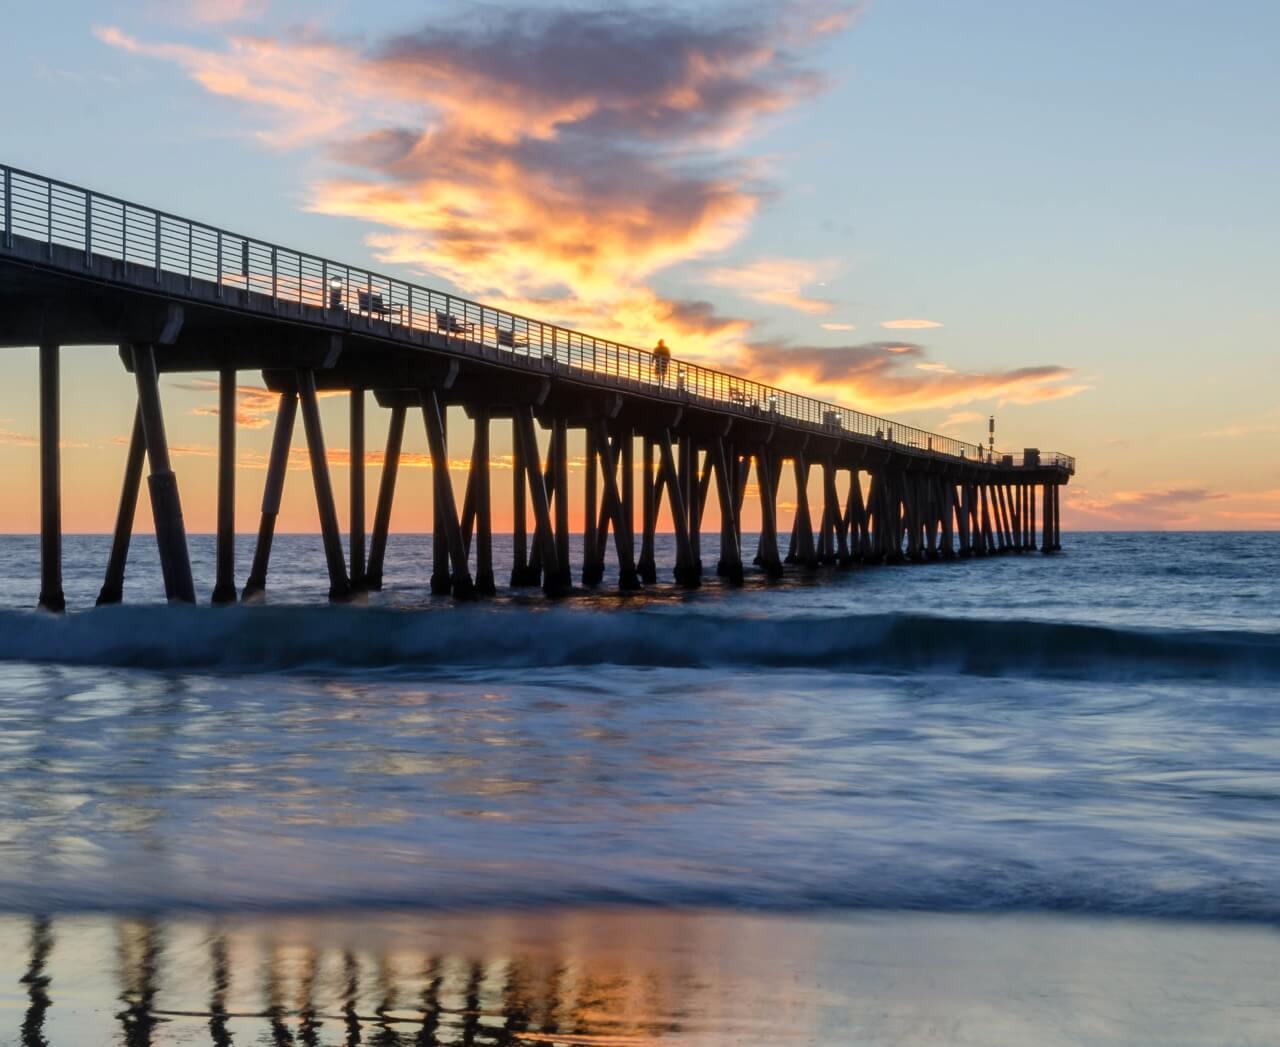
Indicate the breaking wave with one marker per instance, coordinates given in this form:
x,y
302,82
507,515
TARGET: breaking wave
x,y
281,638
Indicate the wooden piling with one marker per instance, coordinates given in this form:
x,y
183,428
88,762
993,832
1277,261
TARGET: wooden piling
x,y
224,589
386,497
112,591
326,507
272,491
166,506
51,597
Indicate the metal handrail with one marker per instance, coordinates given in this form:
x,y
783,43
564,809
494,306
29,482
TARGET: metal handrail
x,y
58,213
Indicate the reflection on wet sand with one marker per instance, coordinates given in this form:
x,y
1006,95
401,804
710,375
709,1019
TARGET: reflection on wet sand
x,y
37,983
627,979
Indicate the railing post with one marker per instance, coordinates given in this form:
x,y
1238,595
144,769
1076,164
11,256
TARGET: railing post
x,y
8,208
191,254
411,307
275,277
88,230
219,263
48,216
157,247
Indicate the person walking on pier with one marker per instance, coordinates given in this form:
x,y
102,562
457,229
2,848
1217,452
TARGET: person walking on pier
x,y
661,360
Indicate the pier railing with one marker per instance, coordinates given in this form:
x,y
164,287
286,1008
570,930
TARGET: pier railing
x,y
60,214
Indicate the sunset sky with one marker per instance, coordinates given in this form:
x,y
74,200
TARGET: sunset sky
x,y
1065,215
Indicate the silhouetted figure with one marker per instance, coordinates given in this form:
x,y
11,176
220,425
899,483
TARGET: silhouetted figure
x,y
661,360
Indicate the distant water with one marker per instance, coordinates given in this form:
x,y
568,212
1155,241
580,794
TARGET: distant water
x,y
1096,732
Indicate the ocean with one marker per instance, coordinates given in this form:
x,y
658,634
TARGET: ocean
x,y
1011,800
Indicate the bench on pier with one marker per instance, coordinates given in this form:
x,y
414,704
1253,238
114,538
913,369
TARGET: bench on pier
x,y
510,339
451,324
372,304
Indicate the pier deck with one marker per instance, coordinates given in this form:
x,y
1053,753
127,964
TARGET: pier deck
x,y
79,267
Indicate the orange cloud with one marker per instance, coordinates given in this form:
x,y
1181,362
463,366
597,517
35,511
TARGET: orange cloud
x,y
839,327
884,377
562,155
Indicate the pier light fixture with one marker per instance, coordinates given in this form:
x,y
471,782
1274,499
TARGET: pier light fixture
x,y
335,292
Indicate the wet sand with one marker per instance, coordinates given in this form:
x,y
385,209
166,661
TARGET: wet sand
x,y
635,977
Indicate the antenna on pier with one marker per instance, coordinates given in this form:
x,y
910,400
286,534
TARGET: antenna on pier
x,y
991,438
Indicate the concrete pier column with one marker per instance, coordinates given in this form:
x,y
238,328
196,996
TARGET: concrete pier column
x,y
544,534
1031,510
949,515
701,482
987,544
769,557
166,506
729,565
484,583
647,567
356,522
339,583
112,591
519,508
51,597
684,573
560,466
224,589
805,552
613,507
386,497
1057,518
446,508
835,529
441,583
592,563
627,466
962,520
272,491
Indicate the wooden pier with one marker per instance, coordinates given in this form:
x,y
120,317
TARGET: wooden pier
x,y
82,268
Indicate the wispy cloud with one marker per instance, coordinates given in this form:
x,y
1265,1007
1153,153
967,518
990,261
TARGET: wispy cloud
x,y
897,376
775,281
961,418
909,325
10,438
218,11
839,327
255,406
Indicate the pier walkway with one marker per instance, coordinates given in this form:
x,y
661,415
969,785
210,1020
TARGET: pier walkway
x,y
81,267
